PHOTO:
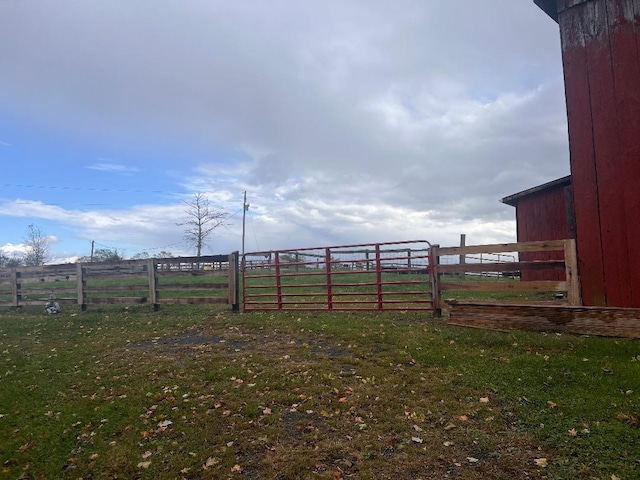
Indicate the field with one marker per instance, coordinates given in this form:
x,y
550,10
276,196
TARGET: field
x,y
197,392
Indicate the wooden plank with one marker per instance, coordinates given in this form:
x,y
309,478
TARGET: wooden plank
x,y
624,26
610,179
602,321
108,276
193,300
153,282
118,288
196,286
574,297
503,248
541,286
499,267
49,279
233,281
15,287
80,285
116,300
192,273
46,291
573,28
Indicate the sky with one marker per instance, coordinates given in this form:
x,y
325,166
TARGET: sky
x,y
346,122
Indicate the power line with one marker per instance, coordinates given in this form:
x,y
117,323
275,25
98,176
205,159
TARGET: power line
x,y
88,189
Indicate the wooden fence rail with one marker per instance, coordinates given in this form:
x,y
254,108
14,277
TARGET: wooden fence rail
x,y
442,271
180,280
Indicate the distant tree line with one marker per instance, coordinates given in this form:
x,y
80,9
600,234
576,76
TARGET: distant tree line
x,y
202,219
37,252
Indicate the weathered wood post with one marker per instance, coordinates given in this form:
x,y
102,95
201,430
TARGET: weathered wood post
x,y
434,277
153,283
16,297
234,282
81,284
571,270
462,258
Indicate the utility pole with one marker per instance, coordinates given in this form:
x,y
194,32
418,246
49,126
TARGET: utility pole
x,y
245,207
92,245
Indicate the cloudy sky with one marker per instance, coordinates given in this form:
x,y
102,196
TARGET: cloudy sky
x,y
345,121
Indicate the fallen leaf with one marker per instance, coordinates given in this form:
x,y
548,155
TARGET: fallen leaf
x,y
146,455
416,440
236,468
165,423
448,444
484,399
573,432
449,426
211,461
266,411
94,456
462,418
144,465
25,446
472,459
541,462
343,399
338,474
552,404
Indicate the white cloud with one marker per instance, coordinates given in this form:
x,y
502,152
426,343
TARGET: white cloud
x,y
114,168
345,122
4,144
10,249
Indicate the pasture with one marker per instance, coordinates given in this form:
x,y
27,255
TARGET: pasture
x,y
197,392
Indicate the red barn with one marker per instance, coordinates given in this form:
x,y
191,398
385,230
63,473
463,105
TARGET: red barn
x,y
544,212
601,60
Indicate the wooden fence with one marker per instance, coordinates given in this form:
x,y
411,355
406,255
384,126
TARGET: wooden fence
x,y
466,274
181,280
457,287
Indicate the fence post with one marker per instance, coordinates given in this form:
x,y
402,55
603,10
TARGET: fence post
x,y
80,287
434,260
234,279
15,287
153,283
379,277
574,298
463,258
278,281
327,260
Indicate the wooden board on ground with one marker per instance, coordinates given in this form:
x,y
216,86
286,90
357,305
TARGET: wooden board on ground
x,y
600,321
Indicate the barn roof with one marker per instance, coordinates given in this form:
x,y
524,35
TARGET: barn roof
x,y
514,199
549,6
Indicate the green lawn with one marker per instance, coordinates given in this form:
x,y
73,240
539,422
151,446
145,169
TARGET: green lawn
x,y
197,392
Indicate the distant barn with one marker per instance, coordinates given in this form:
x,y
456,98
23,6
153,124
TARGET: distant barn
x,y
544,212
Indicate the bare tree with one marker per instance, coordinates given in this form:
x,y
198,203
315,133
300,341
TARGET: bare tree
x,y
202,220
7,261
37,247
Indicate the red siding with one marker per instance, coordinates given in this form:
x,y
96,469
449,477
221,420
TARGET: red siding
x,y
600,43
542,216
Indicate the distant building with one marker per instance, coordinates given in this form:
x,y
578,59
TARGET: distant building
x,y
544,212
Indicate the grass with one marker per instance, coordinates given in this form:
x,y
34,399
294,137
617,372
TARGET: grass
x,y
197,392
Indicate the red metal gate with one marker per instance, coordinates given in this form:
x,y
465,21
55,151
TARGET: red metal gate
x,y
375,276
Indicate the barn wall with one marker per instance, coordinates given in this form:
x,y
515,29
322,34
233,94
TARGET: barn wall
x,y
600,48
542,216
